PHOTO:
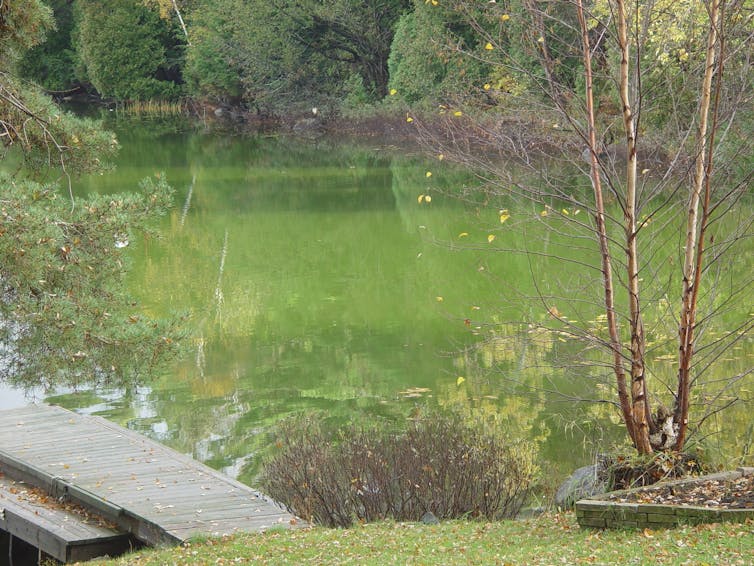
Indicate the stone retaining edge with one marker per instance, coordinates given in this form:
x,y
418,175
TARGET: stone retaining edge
x,y
596,512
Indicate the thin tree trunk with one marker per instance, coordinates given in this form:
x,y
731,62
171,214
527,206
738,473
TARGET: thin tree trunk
x,y
548,65
695,246
642,422
601,231
180,20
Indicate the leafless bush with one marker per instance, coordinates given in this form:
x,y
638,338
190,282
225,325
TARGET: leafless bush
x,y
442,463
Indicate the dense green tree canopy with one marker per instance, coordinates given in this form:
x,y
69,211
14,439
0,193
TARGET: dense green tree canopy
x,y
53,63
128,51
278,56
427,60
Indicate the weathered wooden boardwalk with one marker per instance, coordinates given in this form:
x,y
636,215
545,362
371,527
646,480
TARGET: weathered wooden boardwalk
x,y
141,488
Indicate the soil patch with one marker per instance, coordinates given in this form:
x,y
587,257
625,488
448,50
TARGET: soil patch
x,y
714,493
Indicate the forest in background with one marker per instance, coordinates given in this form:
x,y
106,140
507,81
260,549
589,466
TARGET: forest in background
x,y
277,57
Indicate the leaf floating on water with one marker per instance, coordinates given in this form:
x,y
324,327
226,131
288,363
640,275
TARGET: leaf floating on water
x,y
414,392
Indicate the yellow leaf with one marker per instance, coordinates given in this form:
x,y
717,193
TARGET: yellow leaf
x,y
460,380
393,92
457,113
487,86
505,17
504,215
409,119
439,299
420,199
543,213
441,157
463,234
428,174
491,238
475,308
553,310
541,39
427,198
489,47
565,211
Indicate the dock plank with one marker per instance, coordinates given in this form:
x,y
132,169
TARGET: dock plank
x,y
62,532
158,494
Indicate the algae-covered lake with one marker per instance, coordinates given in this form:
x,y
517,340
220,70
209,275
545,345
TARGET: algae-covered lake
x,y
319,276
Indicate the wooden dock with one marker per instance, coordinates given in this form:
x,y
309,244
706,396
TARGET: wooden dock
x,y
135,488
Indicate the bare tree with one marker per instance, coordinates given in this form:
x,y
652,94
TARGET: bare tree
x,y
621,49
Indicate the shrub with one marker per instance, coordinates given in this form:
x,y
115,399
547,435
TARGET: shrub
x,y
443,463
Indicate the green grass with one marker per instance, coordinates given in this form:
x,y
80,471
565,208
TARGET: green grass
x,y
548,539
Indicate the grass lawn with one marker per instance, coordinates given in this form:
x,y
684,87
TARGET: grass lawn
x,y
548,539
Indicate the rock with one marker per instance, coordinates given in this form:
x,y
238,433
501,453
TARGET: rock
x,y
584,482
429,518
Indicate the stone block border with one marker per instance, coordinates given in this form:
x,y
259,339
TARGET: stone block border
x,y
597,512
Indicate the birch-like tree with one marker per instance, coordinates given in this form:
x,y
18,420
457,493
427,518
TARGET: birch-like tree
x,y
680,71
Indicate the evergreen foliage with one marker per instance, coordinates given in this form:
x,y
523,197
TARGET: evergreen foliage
x,y
53,63
128,51
427,60
65,317
212,64
22,26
